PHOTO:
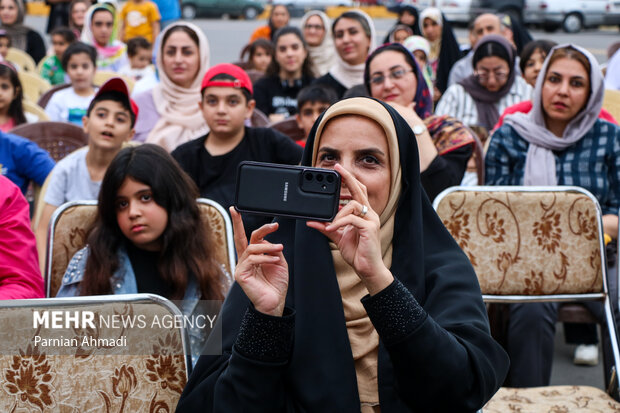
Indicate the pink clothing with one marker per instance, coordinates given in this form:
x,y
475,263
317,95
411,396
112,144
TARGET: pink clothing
x,y
8,125
20,276
526,106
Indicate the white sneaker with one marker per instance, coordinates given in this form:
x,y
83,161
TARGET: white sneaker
x,y
586,354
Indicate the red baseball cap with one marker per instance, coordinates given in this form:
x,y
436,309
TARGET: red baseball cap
x,y
116,84
242,78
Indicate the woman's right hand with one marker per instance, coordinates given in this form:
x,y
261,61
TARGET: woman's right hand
x,y
262,270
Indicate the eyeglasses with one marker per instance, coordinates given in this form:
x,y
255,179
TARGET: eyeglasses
x,y
483,76
314,26
396,74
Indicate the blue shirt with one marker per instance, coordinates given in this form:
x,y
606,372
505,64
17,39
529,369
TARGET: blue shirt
x,y
22,161
169,9
592,163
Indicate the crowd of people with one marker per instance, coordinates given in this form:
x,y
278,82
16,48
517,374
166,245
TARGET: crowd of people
x,y
367,302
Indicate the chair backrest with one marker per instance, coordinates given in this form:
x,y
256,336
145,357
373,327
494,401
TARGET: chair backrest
x,y
58,138
45,98
70,223
33,85
611,103
35,109
22,59
290,128
144,370
259,119
102,76
525,241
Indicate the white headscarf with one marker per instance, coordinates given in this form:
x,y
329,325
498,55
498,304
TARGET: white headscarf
x,y
540,162
324,55
434,14
351,75
180,117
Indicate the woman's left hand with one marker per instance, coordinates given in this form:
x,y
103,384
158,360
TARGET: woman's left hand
x,y
355,230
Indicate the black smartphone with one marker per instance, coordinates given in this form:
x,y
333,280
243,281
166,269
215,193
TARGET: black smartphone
x,y
289,191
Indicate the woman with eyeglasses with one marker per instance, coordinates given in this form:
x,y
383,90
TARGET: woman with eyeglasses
x,y
315,26
481,98
100,30
393,76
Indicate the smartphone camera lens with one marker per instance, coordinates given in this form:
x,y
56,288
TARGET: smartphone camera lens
x,y
319,178
308,176
330,178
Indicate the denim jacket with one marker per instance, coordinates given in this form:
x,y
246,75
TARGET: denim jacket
x,y
124,282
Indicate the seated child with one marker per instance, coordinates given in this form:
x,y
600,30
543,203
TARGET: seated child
x,y
20,276
70,104
140,54
11,96
109,123
260,53
52,69
212,160
5,43
312,101
148,237
421,49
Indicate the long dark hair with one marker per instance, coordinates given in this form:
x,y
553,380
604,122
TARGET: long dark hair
x,y
16,109
187,247
307,68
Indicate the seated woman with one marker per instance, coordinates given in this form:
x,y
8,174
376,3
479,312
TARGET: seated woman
x,y
99,31
407,16
171,115
139,241
549,146
369,302
316,28
479,99
22,37
354,38
393,76
290,70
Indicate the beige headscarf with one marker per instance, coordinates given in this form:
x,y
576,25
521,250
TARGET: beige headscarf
x,y
434,14
181,119
324,55
363,337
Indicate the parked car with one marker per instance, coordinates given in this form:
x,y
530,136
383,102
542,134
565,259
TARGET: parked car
x,y
572,15
513,8
248,9
298,8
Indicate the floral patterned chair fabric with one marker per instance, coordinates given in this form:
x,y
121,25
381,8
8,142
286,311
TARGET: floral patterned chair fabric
x,y
534,244
68,232
146,375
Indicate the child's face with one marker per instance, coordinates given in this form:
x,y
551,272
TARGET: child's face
x,y
59,44
225,109
81,71
4,46
142,58
308,114
420,57
400,36
101,26
141,220
108,125
7,93
261,59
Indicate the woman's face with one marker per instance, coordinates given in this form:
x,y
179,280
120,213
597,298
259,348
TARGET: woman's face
x,y
407,18
533,66
280,17
358,144
141,220
102,25
392,78
290,54
181,59
492,73
351,41
314,31
565,90
431,29
8,12
78,13
261,59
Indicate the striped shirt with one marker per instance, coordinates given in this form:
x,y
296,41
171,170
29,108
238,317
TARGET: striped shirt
x,y
592,163
458,103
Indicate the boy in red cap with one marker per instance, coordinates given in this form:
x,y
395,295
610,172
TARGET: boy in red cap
x,y
109,123
212,160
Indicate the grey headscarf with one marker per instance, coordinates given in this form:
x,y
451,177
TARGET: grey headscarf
x,y
540,162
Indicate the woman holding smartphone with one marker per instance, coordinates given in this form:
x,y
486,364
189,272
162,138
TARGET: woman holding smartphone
x,y
369,302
